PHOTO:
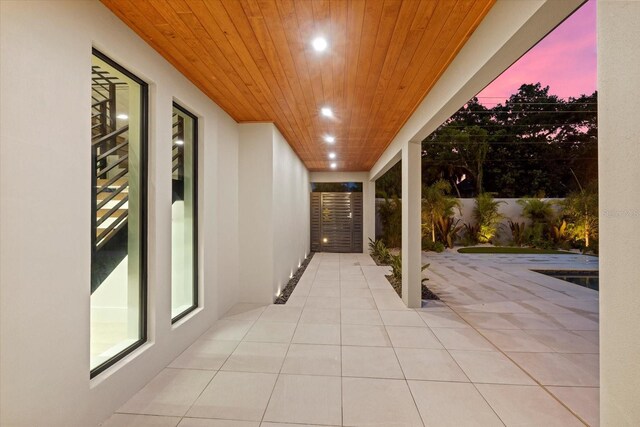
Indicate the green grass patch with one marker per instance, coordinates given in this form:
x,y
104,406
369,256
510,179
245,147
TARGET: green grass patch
x,y
510,250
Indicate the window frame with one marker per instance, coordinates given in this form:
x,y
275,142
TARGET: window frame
x,y
196,217
144,182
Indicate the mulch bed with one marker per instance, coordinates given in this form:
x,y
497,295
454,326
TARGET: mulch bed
x,y
397,286
291,285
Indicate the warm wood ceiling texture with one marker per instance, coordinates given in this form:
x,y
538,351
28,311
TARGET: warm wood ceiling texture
x,y
255,59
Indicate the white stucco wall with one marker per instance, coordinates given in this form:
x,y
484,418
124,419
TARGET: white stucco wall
x,y
256,220
291,223
45,218
274,212
618,160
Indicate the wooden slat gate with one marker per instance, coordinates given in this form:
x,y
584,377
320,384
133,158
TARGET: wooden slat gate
x,y
336,222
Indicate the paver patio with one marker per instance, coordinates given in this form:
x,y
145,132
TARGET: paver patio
x,y
505,346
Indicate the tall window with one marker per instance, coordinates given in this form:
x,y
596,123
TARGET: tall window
x,y
184,214
118,212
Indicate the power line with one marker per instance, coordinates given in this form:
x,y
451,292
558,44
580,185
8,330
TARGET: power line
x,y
550,143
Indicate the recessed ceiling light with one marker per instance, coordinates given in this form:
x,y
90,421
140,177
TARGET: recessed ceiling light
x,y
333,165
122,117
179,142
326,111
332,155
330,139
319,44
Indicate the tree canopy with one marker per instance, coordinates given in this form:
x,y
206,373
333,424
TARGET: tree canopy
x,y
530,144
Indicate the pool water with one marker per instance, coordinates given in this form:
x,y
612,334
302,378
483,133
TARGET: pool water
x,y
587,279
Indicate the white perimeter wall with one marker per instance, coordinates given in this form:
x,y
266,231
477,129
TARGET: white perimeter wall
x,y
45,217
274,212
509,207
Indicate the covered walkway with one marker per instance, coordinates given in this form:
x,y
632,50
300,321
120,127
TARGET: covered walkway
x,y
345,350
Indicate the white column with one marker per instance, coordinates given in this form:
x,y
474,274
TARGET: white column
x,y
619,175
411,233
369,212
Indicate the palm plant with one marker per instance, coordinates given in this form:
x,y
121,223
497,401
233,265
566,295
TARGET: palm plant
x,y
581,208
487,217
436,205
537,210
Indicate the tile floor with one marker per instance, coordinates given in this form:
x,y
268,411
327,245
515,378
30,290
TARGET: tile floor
x,y
505,346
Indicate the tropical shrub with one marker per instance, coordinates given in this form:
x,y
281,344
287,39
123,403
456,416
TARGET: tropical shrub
x,y
447,230
471,234
581,210
517,232
435,205
391,218
487,217
428,245
558,235
537,211
379,252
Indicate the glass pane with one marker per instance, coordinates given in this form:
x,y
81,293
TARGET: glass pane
x,y
118,103
183,213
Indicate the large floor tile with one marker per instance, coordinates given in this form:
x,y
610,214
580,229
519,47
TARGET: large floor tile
x,y
583,401
532,321
235,396
359,303
360,317
378,402
205,354
267,424
452,404
350,292
128,420
435,319
401,318
462,339
306,399
564,341
312,359
171,393
365,335
519,405
244,311
320,315
412,337
372,362
514,340
324,292
257,357
316,333
202,422
429,364
323,302
488,321
555,369
281,313
271,332
228,330
490,367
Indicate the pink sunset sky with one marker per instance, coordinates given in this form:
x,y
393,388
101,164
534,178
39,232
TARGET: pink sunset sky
x,y
565,60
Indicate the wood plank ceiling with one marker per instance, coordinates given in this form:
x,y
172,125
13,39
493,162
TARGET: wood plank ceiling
x,y
254,58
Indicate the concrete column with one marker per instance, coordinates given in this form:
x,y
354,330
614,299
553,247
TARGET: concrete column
x,y
411,233
619,157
